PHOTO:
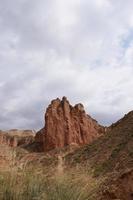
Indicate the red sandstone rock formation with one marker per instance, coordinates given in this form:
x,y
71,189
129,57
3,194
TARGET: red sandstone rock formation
x,y
39,141
39,136
66,125
14,138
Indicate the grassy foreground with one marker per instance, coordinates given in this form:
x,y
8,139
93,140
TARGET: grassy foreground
x,y
37,185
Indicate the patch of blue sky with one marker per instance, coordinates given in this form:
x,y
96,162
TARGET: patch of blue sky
x,y
127,40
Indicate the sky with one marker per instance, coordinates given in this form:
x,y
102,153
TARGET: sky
x,y
82,49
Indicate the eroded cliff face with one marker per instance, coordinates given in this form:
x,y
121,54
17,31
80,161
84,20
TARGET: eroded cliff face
x,y
14,137
66,125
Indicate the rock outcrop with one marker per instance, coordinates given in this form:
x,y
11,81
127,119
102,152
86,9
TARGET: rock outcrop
x,y
14,137
66,125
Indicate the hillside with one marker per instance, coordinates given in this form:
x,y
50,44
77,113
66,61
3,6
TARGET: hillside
x,y
113,151
111,156
97,169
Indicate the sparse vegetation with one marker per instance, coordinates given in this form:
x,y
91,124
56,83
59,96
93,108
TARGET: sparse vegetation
x,y
101,169
35,185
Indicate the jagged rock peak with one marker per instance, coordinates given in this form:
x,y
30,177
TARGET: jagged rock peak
x,y
57,101
66,124
64,99
65,105
79,107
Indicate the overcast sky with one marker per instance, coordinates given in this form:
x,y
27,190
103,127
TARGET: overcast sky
x,y
82,49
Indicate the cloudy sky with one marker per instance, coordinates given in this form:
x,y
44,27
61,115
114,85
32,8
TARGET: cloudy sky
x,y
82,49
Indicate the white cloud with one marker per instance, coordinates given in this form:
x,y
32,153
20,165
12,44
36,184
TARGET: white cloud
x,y
80,49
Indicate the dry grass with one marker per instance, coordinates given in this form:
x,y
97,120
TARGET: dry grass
x,y
35,184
